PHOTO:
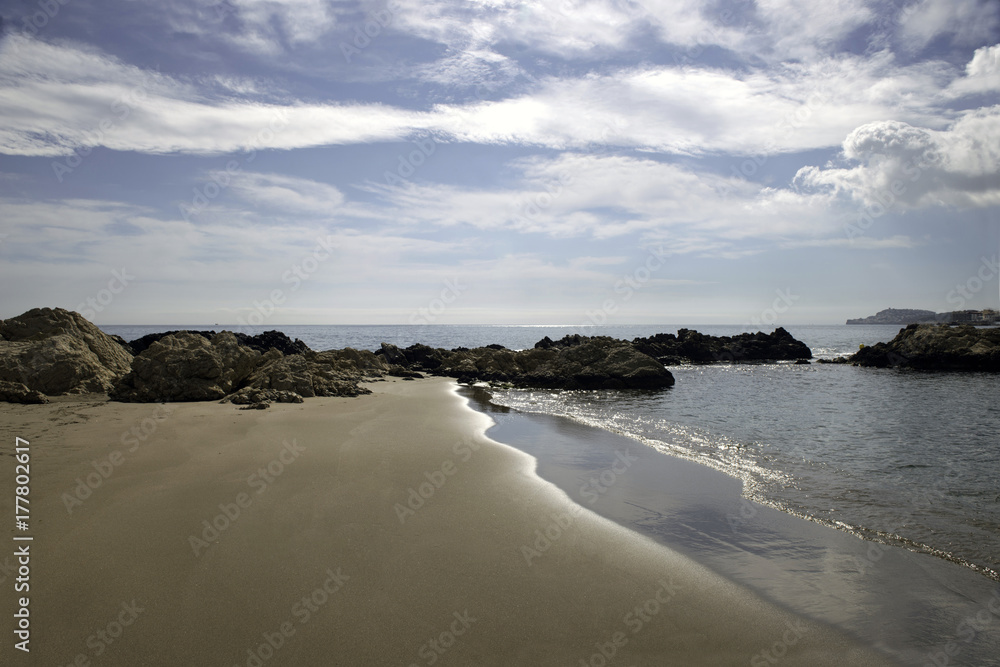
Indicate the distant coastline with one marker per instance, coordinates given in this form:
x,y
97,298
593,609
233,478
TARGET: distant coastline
x,y
904,316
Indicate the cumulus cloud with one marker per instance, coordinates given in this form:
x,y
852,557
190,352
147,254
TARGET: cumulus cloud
x,y
918,167
982,73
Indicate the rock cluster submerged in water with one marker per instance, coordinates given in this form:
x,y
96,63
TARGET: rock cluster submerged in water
x,y
576,362
935,347
696,347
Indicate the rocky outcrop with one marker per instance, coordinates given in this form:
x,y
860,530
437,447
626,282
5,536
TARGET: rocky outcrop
x,y
692,346
15,392
576,362
56,351
935,347
333,373
187,367
269,340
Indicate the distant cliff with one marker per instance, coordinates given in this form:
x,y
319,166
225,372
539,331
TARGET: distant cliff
x,y
898,316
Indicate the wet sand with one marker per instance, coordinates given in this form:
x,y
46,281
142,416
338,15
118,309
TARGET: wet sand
x,y
379,530
921,609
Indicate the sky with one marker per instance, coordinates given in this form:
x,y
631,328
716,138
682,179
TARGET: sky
x,y
273,162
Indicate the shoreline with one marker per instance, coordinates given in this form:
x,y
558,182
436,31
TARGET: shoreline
x,y
907,603
312,559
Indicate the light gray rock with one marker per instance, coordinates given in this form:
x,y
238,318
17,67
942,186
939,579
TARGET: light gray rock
x,y
187,367
56,351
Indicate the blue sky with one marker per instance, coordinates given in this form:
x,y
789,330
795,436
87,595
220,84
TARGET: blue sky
x,y
560,162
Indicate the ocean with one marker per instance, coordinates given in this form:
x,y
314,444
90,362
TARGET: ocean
x,y
901,459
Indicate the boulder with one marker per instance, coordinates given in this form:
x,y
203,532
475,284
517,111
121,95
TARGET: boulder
x,y
16,392
936,347
332,373
187,367
56,351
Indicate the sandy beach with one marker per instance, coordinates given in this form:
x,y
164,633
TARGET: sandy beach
x,y
379,530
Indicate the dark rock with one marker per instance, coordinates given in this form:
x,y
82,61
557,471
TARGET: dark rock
x,y
262,405
16,392
576,362
56,351
187,367
269,340
935,347
695,347
273,340
801,362
251,395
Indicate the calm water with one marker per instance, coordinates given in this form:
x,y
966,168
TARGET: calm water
x,y
900,457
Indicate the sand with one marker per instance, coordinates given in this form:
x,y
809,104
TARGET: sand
x,y
379,530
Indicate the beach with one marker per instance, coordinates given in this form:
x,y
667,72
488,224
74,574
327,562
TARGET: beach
x,y
382,529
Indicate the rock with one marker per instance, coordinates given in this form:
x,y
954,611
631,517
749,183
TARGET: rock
x,y
269,340
935,347
576,362
692,346
332,373
56,351
252,395
16,392
187,367
140,345
273,340
262,405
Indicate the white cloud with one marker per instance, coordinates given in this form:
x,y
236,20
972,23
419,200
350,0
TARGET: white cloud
x,y
60,98
917,167
982,73
965,22
285,195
